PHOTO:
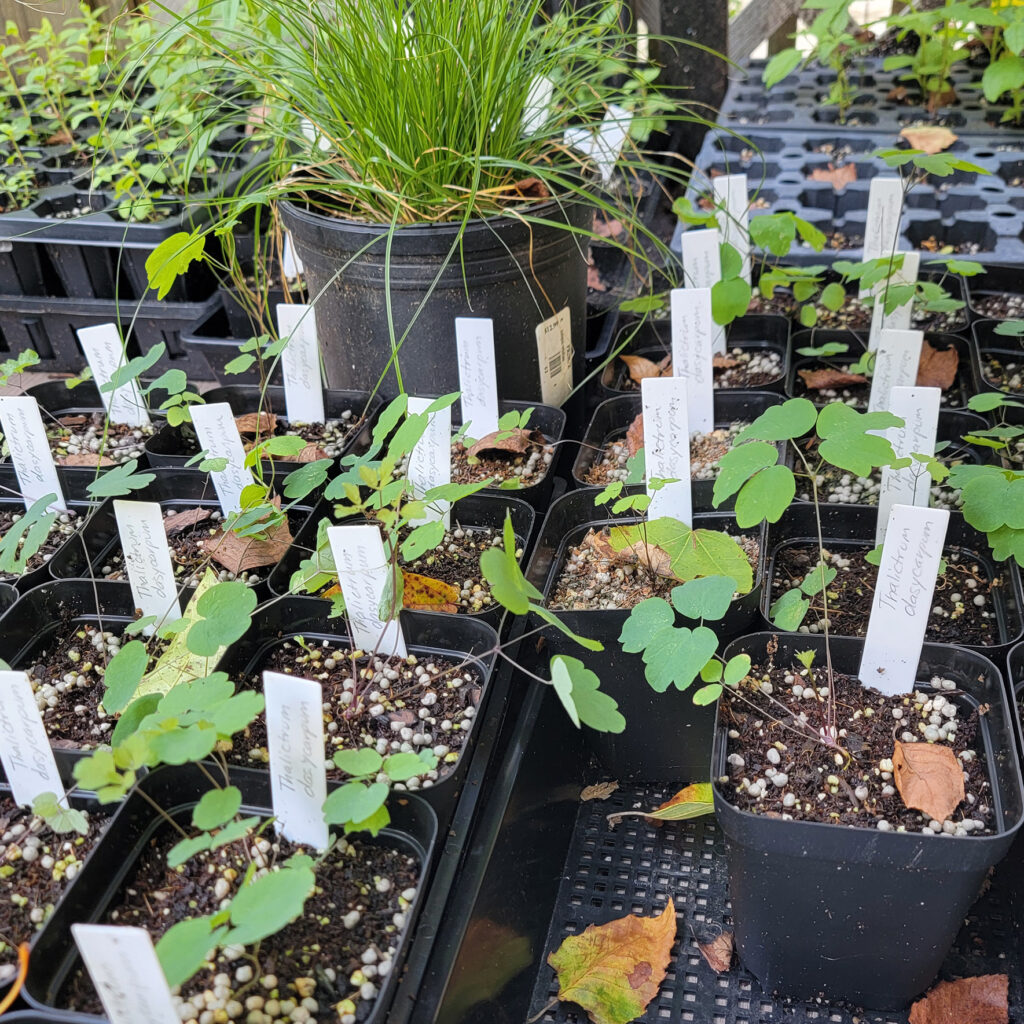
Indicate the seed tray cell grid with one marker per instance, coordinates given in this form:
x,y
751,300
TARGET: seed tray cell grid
x,y
635,867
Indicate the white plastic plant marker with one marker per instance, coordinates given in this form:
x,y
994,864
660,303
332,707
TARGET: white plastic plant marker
x,y
364,576
901,317
667,447
691,354
147,557
105,353
24,746
478,377
903,597
295,742
882,227
30,451
291,265
538,105
219,438
919,410
554,354
126,972
300,363
732,202
896,361
702,268
608,142
430,462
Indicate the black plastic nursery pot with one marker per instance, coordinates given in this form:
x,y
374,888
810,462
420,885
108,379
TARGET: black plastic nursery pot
x,y
997,294
848,528
613,416
480,510
755,335
855,914
667,736
518,274
998,359
454,637
175,791
212,339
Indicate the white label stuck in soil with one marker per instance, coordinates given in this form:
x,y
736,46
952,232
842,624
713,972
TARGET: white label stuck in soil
x,y
478,378
902,316
105,353
882,227
300,363
30,451
218,437
692,329
291,265
430,463
667,447
364,575
611,136
24,746
538,105
702,268
733,205
554,353
896,361
126,972
903,597
147,558
295,742
919,410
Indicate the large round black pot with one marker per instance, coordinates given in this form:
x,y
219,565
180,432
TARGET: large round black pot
x,y
519,274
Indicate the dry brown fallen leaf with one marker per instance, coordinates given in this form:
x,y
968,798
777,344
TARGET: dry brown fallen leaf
x,y
311,453
937,368
253,423
940,99
531,188
656,559
183,520
720,362
607,228
718,952
897,95
929,138
599,791
635,434
62,137
85,459
815,380
595,283
641,368
839,177
981,1000
514,441
928,777
598,541
72,421
239,554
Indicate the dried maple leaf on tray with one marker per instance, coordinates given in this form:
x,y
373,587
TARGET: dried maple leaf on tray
x,y
928,777
635,434
240,554
180,521
981,1000
641,368
256,423
718,952
817,380
937,368
839,177
928,138
512,442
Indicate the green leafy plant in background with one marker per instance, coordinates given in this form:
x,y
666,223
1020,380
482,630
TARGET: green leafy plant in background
x,y
1004,75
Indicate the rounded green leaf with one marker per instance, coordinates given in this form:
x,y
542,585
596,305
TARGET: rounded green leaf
x,y
707,694
833,296
216,807
364,761
183,948
354,802
789,610
706,598
739,464
266,905
579,691
124,673
790,420
737,668
765,496
712,671
645,620
399,767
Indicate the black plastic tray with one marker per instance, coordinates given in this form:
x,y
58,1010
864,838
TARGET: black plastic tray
x,y
210,338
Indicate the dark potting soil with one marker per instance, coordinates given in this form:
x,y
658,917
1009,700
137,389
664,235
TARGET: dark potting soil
x,y
522,469
330,962
65,526
592,578
36,865
1003,306
1007,376
963,607
778,765
739,368
78,440
325,440
858,394
855,315
944,248
420,703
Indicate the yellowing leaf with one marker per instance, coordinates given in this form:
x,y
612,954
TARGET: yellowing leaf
x,y
929,778
692,802
423,593
614,970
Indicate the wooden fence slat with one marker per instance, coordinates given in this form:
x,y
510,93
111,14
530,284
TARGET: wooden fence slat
x,y
756,23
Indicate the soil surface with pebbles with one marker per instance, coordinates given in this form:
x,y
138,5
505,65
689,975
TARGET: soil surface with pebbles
x,y
330,437
525,469
1002,306
65,526
80,437
857,395
855,315
705,452
1007,376
419,703
326,967
750,368
778,766
589,581
36,865
963,606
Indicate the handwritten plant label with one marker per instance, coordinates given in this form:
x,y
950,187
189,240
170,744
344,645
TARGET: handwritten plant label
x,y
919,410
478,377
106,355
882,228
30,451
732,201
291,265
538,105
896,361
901,317
667,447
691,354
364,574
300,363
702,268
126,972
295,742
218,437
554,353
430,462
148,560
607,144
903,597
24,746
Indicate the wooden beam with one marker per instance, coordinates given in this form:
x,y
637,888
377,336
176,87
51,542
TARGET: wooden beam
x,y
755,23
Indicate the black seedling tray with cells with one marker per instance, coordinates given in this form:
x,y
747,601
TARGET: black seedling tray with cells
x,y
799,102
1005,350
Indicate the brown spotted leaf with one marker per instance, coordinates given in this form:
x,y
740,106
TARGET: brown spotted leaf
x,y
641,368
635,434
92,459
239,554
718,952
816,380
614,970
928,777
515,442
929,138
424,593
599,791
181,521
256,424
838,177
981,1000
937,368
